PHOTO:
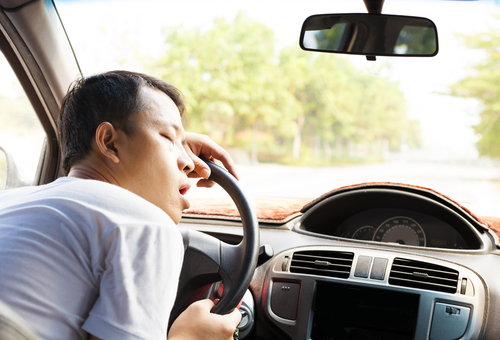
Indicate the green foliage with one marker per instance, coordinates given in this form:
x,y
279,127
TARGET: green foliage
x,y
330,40
292,104
484,85
417,40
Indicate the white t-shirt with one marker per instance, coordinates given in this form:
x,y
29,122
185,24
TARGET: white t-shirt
x,y
80,256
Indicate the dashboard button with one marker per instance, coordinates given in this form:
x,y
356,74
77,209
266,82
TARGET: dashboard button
x,y
378,269
285,299
363,266
449,322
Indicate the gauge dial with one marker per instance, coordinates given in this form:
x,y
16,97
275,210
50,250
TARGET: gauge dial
x,y
364,233
401,230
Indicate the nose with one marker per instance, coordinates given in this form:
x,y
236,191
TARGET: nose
x,y
184,161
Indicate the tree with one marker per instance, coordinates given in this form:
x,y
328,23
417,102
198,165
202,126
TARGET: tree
x,y
229,79
299,82
242,92
357,107
484,85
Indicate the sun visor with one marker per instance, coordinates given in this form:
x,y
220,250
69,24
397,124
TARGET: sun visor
x,y
11,4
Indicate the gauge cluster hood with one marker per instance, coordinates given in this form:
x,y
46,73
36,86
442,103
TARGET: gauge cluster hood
x,y
404,196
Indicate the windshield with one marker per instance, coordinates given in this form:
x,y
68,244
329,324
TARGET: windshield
x,y
298,123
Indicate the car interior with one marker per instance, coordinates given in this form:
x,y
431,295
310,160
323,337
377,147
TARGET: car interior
x,y
374,260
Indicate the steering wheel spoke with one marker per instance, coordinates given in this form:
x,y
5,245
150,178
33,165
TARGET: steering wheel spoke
x,y
202,255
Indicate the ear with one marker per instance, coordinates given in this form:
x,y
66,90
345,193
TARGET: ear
x,y
105,137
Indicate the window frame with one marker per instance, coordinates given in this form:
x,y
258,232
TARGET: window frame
x,y
43,80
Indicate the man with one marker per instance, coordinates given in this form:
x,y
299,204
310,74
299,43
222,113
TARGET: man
x,y
97,253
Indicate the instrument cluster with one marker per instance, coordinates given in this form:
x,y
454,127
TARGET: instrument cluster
x,y
401,226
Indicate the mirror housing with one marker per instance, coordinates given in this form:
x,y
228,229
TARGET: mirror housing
x,y
370,35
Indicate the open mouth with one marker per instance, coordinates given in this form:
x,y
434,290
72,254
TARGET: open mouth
x,y
183,190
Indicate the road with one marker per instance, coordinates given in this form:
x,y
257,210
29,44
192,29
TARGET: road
x,y
477,187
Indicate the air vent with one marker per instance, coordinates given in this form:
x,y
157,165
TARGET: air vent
x,y
423,275
324,263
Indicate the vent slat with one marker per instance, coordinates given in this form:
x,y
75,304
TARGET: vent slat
x,y
430,284
416,277
322,263
326,272
346,258
438,272
417,274
314,263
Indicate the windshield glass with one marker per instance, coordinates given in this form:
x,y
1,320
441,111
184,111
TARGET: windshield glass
x,y
298,123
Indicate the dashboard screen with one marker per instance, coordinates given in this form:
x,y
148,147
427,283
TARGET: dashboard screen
x,y
351,312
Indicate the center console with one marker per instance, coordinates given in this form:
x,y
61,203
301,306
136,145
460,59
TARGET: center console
x,y
319,293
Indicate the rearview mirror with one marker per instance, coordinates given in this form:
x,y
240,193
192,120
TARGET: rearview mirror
x,y
370,34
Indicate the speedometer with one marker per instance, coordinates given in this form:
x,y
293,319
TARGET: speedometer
x,y
364,233
401,230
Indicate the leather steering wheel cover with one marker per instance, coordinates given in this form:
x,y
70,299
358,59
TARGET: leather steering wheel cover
x,y
236,276
208,260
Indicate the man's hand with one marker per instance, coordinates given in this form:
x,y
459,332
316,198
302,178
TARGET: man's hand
x,y
196,322
202,146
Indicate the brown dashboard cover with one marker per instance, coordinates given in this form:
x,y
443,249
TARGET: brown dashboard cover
x,y
268,210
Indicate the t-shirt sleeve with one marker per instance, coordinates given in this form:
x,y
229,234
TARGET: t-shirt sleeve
x,y
139,270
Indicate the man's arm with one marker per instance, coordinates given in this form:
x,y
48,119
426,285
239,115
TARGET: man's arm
x,y
197,323
202,146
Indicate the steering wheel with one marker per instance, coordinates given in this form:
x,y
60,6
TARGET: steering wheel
x,y
208,260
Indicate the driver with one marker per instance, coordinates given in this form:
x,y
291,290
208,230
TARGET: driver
x,y
97,253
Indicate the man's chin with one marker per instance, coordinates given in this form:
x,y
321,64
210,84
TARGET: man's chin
x,y
185,202
176,217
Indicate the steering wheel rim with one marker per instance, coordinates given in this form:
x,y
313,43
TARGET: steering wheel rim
x,y
208,260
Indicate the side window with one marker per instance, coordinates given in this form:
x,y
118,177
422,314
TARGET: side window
x,y
21,134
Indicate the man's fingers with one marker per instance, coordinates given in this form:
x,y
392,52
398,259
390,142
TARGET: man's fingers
x,y
206,303
200,167
226,160
235,315
202,183
205,183
202,146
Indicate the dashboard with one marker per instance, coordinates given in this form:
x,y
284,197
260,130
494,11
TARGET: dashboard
x,y
386,262
373,262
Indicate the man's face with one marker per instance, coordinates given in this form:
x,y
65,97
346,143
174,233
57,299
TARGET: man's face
x,y
154,159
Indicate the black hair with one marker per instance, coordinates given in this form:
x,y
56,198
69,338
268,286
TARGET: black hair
x,y
112,97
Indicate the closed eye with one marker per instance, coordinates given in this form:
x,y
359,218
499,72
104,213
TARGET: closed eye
x,y
167,137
